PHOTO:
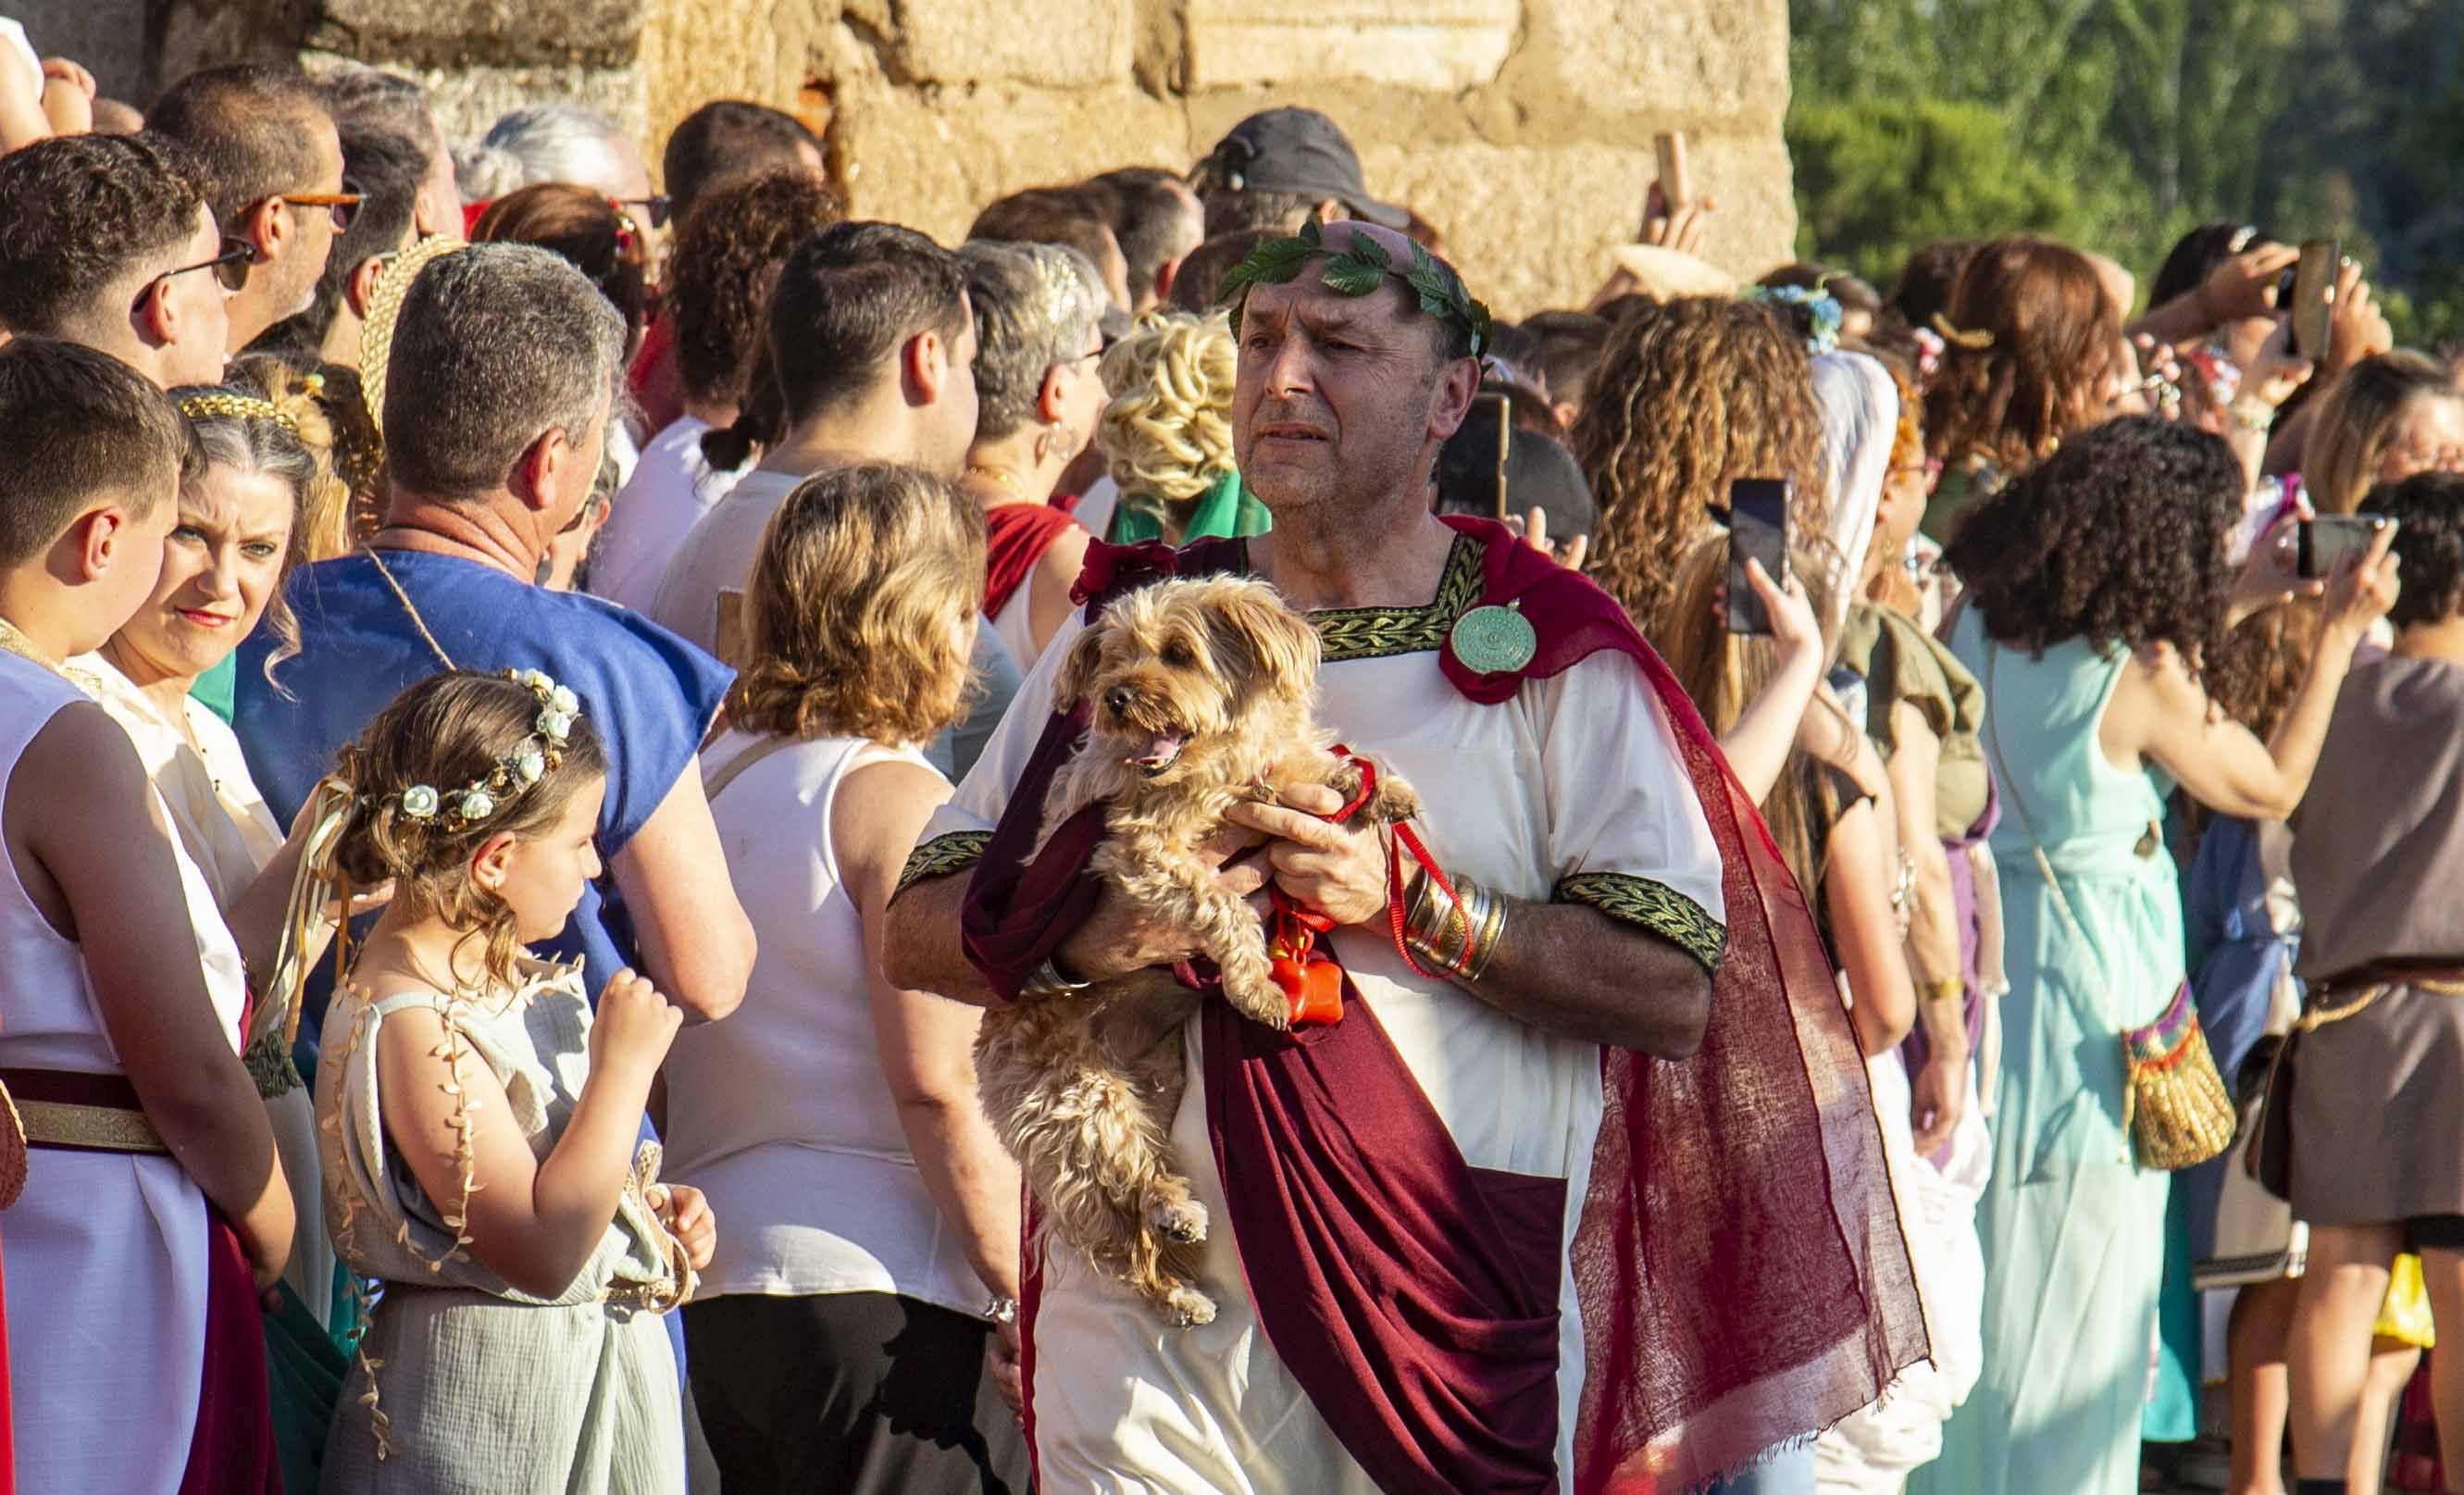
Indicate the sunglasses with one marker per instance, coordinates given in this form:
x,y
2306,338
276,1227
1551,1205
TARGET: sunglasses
x,y
344,205
230,267
654,208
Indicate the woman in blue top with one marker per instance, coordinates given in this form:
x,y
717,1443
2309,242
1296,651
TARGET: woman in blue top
x,y
2098,602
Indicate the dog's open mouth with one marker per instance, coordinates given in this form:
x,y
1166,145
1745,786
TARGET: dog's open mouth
x,y
1162,751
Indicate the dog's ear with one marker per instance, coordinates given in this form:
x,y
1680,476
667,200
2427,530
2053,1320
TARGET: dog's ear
x,y
1285,647
1078,669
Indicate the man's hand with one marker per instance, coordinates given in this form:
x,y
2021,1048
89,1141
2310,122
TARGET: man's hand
x,y
2245,285
1002,1360
1339,870
1940,1097
1118,938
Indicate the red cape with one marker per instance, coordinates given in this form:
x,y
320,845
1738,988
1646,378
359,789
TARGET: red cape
x,y
1016,537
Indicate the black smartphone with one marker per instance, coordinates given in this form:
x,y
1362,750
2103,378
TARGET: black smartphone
x,y
2313,304
2324,542
1483,442
1757,531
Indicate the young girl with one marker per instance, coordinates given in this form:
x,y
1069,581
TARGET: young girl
x,y
478,1125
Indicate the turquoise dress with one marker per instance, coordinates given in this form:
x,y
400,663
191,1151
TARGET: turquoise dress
x,y
2073,1228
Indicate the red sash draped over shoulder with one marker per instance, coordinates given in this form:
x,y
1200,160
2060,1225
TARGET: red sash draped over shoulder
x,y
1016,537
1739,1263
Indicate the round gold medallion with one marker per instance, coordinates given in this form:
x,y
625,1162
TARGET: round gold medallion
x,y
1493,640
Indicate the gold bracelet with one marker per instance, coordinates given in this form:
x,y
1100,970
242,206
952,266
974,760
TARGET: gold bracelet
x,y
1458,935
1477,956
1951,988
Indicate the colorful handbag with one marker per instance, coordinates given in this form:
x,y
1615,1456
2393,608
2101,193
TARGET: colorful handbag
x,y
2174,1102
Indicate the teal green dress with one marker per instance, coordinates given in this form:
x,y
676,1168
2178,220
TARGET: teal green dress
x,y
2073,1228
1226,511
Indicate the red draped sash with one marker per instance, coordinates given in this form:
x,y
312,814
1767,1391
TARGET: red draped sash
x,y
1739,1263
1016,537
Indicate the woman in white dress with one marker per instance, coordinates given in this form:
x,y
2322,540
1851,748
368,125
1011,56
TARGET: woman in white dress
x,y
237,535
838,1342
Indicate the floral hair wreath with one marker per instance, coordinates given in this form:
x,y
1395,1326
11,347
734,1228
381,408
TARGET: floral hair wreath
x,y
1821,308
531,760
1357,272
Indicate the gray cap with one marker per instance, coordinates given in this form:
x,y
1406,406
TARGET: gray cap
x,y
1303,153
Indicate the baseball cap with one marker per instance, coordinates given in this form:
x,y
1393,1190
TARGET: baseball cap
x,y
1300,151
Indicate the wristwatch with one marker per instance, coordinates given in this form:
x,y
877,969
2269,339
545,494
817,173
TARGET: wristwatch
x,y
1049,982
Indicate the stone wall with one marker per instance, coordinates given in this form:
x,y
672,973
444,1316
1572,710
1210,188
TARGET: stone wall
x,y
1522,128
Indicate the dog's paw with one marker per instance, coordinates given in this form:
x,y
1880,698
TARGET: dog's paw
x,y
1181,1219
1249,986
1186,1308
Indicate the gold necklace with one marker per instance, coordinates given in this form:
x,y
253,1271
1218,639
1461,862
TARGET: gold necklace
x,y
1007,479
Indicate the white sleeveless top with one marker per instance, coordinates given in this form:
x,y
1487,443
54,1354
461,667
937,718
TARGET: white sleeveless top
x,y
780,1113
109,1247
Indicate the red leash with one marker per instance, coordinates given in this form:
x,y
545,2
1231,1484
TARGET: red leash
x,y
1311,981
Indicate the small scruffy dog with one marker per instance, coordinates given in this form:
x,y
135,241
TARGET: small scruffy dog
x,y
1200,693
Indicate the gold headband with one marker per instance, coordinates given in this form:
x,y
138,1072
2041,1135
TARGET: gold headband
x,y
236,407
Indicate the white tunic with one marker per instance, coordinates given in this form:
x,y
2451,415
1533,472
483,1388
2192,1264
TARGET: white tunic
x,y
1575,774
108,1251
224,825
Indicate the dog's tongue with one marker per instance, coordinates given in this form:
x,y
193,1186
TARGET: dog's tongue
x,y
1161,749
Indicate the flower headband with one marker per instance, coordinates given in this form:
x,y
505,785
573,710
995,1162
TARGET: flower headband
x,y
1357,272
236,407
1820,306
531,760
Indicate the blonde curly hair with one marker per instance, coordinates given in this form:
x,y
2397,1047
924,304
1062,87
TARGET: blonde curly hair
x,y
1167,432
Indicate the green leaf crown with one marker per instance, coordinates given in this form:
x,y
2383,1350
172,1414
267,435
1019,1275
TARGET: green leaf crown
x,y
1357,272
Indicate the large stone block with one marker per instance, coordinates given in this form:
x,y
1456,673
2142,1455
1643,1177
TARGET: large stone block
x,y
600,34
933,157
1443,45
1056,44
1532,226
1678,62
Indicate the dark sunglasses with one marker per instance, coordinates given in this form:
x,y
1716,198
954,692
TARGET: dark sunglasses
x,y
230,267
654,208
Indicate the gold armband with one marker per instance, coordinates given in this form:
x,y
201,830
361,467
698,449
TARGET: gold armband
x,y
1457,935
1951,988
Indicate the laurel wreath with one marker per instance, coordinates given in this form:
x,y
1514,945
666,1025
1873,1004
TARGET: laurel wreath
x,y
1357,272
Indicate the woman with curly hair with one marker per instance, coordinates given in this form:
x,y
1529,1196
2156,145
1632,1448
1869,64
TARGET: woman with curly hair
x,y
1689,397
2034,347
1167,433
2096,616
2387,418
838,1341
727,251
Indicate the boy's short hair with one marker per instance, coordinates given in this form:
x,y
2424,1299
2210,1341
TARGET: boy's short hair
x,y
82,426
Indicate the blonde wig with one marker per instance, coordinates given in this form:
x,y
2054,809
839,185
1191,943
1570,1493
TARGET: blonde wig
x,y
1167,433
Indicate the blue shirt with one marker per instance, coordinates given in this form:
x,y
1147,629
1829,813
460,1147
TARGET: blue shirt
x,y
650,695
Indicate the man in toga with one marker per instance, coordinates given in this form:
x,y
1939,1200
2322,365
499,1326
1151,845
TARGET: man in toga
x,y
1604,1206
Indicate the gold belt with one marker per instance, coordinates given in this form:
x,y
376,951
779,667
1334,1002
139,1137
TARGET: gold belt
x,y
81,1113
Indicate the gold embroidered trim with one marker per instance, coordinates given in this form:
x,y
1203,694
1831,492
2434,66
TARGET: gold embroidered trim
x,y
105,1128
1379,632
1654,906
956,851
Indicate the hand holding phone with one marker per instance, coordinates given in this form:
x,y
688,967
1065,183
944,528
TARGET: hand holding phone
x,y
2322,543
2314,297
1757,532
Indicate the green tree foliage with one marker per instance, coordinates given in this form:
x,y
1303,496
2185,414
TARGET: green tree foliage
x,y
2116,125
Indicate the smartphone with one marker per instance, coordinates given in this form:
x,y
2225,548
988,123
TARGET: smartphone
x,y
2324,542
1675,189
1488,428
1757,531
2314,297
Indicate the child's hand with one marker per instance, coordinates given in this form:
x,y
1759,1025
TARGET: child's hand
x,y
682,1209
633,1029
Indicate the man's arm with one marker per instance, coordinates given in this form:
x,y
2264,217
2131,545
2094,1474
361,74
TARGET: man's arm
x,y
1577,969
697,944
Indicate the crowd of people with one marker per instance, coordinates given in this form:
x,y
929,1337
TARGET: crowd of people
x,y
527,699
